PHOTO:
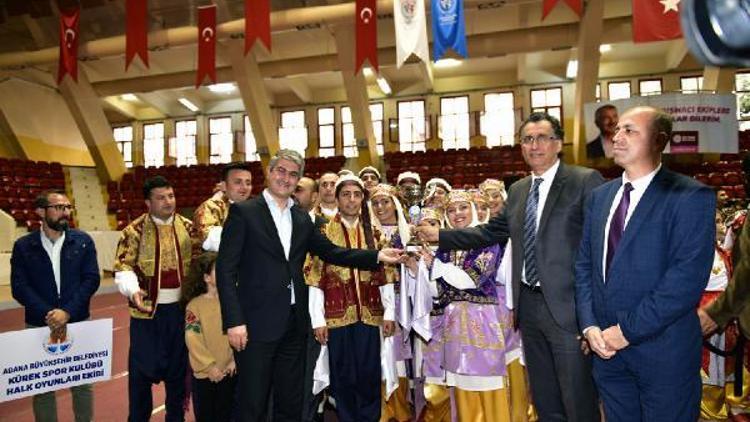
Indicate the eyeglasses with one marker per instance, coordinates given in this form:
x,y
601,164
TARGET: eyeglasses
x,y
61,207
527,140
281,171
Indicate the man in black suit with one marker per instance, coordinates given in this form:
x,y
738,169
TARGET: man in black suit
x,y
263,293
543,217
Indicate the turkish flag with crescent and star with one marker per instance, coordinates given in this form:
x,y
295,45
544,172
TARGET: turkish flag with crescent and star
x,y
136,32
575,5
656,20
367,34
68,59
257,23
206,44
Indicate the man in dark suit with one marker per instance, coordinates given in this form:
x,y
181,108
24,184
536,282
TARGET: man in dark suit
x,y
605,119
53,274
543,217
645,257
263,294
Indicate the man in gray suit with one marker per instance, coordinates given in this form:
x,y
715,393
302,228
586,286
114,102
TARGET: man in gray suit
x,y
543,218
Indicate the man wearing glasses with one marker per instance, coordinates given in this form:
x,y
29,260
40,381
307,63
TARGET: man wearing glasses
x,y
54,273
262,290
543,218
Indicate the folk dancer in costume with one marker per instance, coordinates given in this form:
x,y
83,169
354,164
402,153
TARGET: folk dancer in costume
x,y
370,177
153,257
327,207
437,396
495,191
349,306
467,348
209,217
482,203
392,224
436,192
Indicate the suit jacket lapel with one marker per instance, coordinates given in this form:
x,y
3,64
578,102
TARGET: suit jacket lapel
x,y
641,211
298,221
554,193
271,226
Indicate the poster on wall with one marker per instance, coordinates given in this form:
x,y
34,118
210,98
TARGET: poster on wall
x,y
703,123
34,361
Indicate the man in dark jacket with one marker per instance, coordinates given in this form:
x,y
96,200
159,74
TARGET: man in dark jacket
x,y
53,274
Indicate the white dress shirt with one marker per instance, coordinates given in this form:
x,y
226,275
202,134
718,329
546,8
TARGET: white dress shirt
x,y
639,188
282,219
53,249
547,178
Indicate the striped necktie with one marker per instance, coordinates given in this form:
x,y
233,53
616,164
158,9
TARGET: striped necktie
x,y
529,234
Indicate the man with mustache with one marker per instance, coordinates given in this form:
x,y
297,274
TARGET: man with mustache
x,y
605,119
53,274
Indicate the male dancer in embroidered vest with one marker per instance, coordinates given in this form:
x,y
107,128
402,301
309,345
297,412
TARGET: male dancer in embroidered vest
x,y
394,228
348,306
209,217
370,177
327,195
153,256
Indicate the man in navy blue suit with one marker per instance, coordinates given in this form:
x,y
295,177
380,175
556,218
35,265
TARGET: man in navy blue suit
x,y
53,274
644,259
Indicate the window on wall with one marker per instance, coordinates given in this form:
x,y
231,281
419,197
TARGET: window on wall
x,y
220,140
742,87
347,129
691,84
251,148
598,92
412,128
498,122
184,143
326,132
618,90
649,87
454,122
124,140
293,131
548,100
153,145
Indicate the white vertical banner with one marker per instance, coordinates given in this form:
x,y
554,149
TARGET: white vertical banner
x,y
32,362
411,30
703,123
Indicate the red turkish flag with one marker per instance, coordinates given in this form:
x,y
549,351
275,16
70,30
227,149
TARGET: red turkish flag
x,y
656,20
68,58
548,5
136,32
257,23
206,44
367,34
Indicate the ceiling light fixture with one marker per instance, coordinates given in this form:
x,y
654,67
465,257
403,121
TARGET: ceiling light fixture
x,y
572,69
383,84
605,48
447,62
222,88
189,105
128,97
367,71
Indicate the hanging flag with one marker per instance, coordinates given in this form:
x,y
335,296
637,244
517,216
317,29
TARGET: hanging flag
x,y
548,5
656,20
136,32
448,28
257,23
411,30
68,58
206,44
366,34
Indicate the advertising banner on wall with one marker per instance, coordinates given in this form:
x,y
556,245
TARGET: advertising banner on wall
x,y
705,123
34,362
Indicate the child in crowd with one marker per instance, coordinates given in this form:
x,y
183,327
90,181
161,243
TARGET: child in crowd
x,y
211,357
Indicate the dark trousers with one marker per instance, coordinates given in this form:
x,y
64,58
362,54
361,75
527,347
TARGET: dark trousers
x,y
310,402
157,353
562,386
354,352
213,401
275,365
634,391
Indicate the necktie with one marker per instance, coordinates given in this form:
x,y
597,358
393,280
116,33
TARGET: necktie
x,y
617,225
529,234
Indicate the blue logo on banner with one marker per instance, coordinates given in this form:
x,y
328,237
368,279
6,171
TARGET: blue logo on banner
x,y
448,28
57,346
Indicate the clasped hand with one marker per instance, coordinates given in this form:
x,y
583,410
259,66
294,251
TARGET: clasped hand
x,y
606,343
